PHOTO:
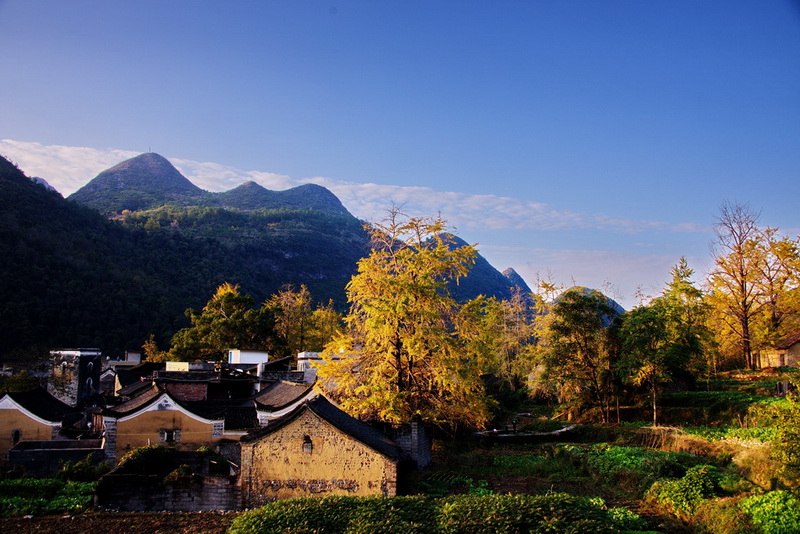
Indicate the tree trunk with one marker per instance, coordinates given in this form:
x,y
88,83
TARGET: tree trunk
x,y
655,412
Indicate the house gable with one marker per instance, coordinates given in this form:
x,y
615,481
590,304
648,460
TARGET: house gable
x,y
785,353
18,423
307,454
157,418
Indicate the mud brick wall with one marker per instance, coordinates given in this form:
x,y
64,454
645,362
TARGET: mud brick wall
x,y
283,464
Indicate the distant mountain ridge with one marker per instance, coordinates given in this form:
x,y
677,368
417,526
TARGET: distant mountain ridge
x,y
149,180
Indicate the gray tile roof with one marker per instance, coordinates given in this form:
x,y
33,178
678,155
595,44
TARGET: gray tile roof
x,y
42,404
788,341
329,412
281,394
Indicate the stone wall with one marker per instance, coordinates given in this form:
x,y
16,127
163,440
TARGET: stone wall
x,y
149,493
414,440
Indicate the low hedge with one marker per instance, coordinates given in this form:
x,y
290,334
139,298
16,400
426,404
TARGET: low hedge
x,y
459,514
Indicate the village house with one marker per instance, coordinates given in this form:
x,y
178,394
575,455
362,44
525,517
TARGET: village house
x,y
317,449
785,353
32,416
156,417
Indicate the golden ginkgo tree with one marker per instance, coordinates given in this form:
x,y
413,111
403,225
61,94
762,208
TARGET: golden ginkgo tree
x,y
400,356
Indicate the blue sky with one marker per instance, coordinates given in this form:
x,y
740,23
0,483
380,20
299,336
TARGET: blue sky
x,y
594,140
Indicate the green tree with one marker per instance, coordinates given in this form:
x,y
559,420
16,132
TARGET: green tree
x,y
578,349
294,317
227,321
646,350
400,356
500,334
664,340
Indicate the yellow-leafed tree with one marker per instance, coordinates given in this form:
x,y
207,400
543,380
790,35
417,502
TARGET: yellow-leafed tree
x,y
400,356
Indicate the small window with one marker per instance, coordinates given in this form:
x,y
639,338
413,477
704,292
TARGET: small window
x,y
16,434
308,445
89,367
170,436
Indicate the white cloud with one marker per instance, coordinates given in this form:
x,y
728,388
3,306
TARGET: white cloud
x,y
68,168
621,275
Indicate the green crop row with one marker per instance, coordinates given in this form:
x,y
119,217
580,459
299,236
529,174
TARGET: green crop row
x,y
463,514
31,496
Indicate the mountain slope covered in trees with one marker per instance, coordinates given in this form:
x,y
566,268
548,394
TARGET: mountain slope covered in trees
x,y
74,277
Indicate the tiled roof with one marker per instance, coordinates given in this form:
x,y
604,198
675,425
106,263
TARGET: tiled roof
x,y
281,364
351,426
42,404
135,373
281,394
788,341
241,418
140,401
135,388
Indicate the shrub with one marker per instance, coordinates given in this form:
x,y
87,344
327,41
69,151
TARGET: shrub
x,y
722,516
555,512
31,488
340,514
150,460
82,471
776,512
641,466
535,465
682,496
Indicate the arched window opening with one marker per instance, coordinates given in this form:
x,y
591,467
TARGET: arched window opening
x,y
308,445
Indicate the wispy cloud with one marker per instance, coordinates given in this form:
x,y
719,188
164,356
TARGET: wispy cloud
x,y
621,275
67,168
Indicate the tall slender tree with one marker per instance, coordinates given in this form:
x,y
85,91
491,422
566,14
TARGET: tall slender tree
x,y
735,291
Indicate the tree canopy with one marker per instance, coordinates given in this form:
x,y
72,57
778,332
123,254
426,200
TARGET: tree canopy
x,y
401,356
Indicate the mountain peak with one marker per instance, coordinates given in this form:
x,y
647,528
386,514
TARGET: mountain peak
x,y
141,182
516,280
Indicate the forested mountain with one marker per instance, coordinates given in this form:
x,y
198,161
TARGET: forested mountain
x,y
149,180
71,276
